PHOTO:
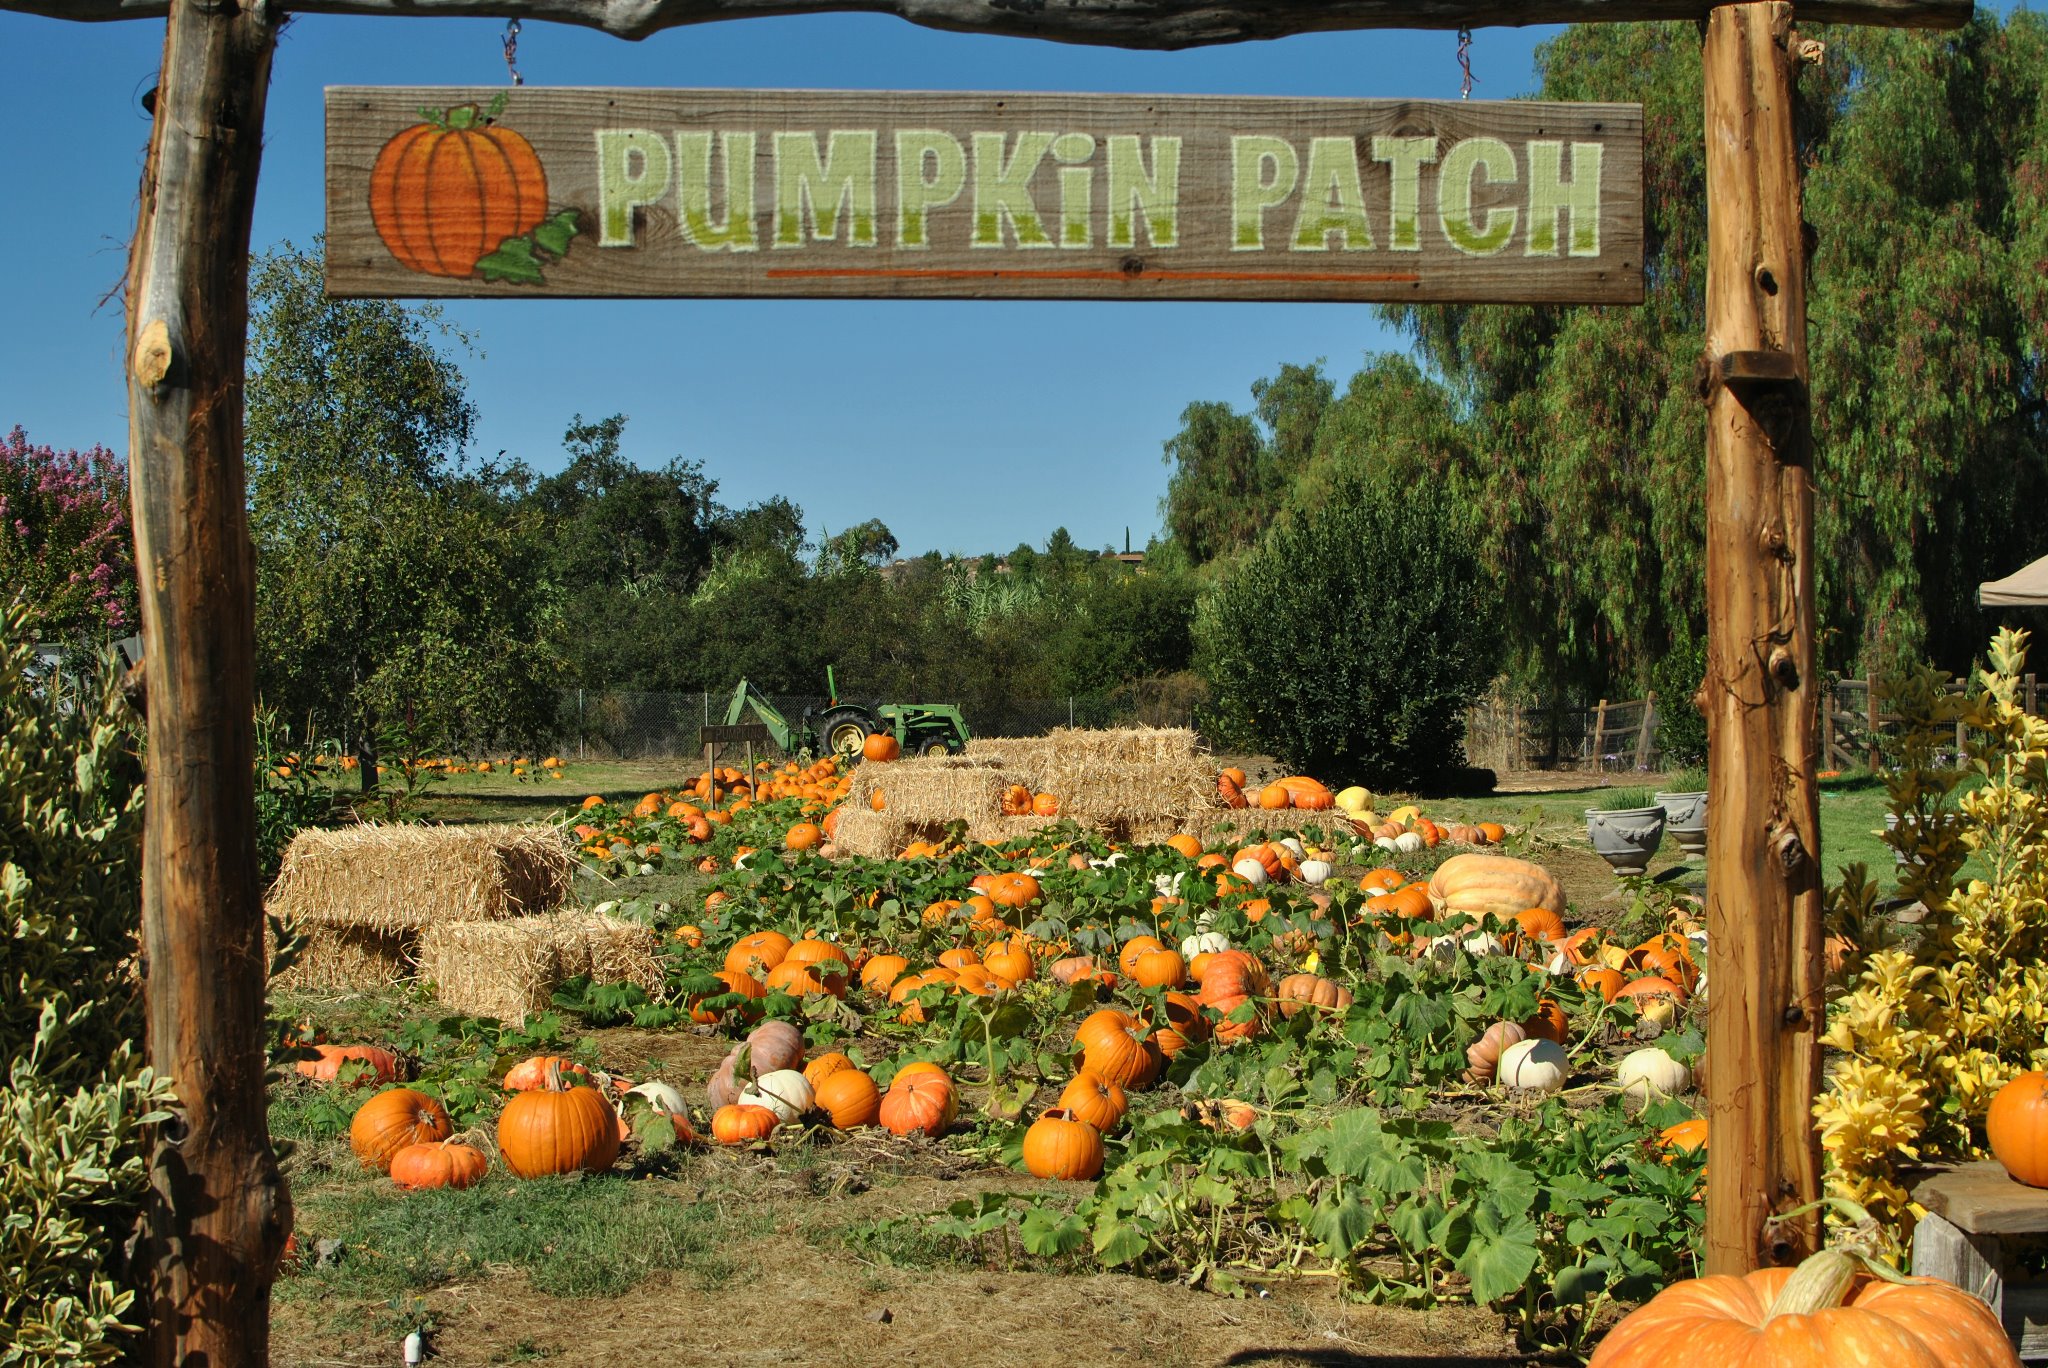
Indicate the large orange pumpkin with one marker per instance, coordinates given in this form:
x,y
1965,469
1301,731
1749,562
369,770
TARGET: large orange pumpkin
x,y
2018,1128
757,953
919,1099
393,1119
445,194
1090,1097
880,746
1060,1145
1824,1313
558,1129
849,1097
1114,1048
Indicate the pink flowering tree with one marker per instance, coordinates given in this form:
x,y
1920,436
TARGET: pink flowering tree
x,y
64,540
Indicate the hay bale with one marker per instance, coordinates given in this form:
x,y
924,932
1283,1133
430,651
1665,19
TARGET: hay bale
x,y
942,789
405,878
872,835
506,970
510,970
609,950
346,957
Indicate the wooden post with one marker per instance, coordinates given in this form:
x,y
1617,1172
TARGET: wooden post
x,y
1643,731
1870,709
1599,747
1763,831
2030,691
218,1210
1827,731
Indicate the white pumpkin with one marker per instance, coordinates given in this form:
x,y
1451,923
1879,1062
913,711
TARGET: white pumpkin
x,y
1110,861
1204,943
1408,842
1354,799
1168,885
1314,872
1485,943
785,1092
1294,845
1250,870
1649,1074
1385,843
1533,1066
659,1095
1442,948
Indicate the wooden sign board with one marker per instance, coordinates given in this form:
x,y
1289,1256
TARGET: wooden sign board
x,y
782,194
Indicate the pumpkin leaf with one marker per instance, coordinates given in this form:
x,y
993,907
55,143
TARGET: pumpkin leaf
x,y
1047,1233
1499,1255
513,263
552,235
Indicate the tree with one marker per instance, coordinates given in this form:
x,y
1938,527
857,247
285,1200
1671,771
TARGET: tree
x,y
394,583
1221,490
1380,699
64,546
1290,405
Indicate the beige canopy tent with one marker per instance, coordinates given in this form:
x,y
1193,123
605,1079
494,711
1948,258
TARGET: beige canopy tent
x,y
2023,588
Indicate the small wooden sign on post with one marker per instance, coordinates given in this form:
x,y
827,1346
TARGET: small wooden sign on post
x,y
771,193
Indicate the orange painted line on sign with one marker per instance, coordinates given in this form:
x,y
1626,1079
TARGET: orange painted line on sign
x,y
999,273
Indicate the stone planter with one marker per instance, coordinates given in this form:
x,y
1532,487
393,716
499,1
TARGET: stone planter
x,y
1626,839
1685,817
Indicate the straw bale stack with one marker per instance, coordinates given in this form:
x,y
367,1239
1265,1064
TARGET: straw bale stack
x,y
346,957
510,969
872,835
405,878
941,789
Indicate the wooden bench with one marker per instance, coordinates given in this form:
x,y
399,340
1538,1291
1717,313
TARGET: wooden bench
x,y
1975,1213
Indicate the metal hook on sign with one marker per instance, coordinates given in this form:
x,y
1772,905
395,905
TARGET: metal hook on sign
x,y
1465,62
512,51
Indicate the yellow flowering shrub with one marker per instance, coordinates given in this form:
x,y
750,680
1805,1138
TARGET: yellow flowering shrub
x,y
1928,1035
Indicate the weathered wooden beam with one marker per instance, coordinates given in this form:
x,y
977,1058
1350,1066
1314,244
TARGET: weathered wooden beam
x,y
218,1211
1764,1012
1118,23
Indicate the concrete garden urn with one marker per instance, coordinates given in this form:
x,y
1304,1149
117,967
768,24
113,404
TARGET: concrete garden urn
x,y
1627,838
1685,817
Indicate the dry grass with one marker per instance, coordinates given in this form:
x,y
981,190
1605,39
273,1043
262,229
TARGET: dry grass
x,y
510,970
405,878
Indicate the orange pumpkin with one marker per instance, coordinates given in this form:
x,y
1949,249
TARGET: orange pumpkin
x,y
849,1097
739,1123
1114,1048
802,836
799,979
446,193
2018,1128
381,1064
438,1164
1127,958
1044,805
746,985
824,1066
919,1099
1825,1312
758,952
1297,991
1550,1023
1060,1146
880,746
1606,982
560,1128
881,972
533,1073
1013,890
1094,1099
1160,968
1186,845
393,1119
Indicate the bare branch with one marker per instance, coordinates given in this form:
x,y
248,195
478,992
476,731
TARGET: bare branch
x,y
1117,23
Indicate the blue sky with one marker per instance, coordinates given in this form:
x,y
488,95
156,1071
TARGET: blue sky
x,y
963,425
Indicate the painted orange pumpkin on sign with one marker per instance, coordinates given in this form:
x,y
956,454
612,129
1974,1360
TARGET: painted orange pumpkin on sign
x,y
461,195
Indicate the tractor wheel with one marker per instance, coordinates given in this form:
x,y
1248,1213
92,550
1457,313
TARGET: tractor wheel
x,y
842,731
932,748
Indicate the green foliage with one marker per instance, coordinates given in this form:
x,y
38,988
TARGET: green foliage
x,y
1351,641
1681,726
290,793
392,579
1925,181
75,1099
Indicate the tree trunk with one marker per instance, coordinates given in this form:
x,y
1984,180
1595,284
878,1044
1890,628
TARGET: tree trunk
x,y
1763,829
218,1210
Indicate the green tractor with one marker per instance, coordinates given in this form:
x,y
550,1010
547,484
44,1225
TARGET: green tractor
x,y
842,728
